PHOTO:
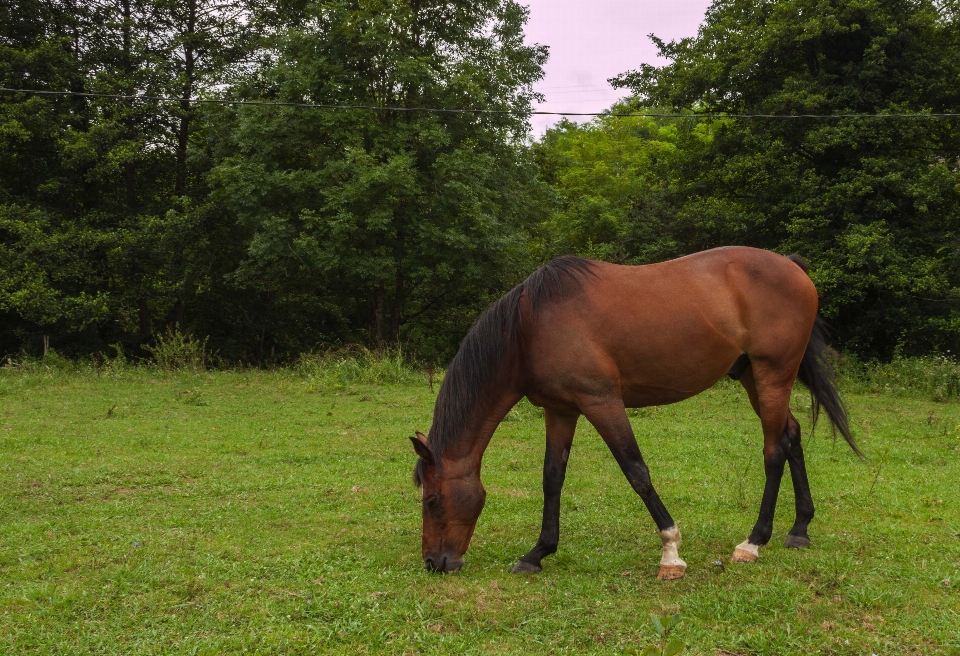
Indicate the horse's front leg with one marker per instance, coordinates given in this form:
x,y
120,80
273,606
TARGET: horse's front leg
x,y
560,429
610,420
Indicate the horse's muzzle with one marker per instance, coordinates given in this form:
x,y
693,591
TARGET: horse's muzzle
x,y
443,563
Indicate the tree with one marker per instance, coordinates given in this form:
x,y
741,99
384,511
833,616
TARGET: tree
x,y
613,179
383,225
874,204
49,252
99,220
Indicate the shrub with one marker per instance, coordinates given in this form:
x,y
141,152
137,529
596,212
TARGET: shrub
x,y
176,351
52,362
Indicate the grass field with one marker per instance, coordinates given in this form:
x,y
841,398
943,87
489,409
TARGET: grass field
x,y
268,513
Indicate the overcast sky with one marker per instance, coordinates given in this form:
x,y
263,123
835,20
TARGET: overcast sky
x,y
592,40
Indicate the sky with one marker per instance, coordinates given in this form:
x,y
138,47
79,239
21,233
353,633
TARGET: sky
x,y
593,40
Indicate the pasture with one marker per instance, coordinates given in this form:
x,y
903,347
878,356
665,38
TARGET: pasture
x,y
272,513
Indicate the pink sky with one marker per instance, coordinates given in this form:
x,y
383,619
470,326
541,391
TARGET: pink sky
x,y
592,40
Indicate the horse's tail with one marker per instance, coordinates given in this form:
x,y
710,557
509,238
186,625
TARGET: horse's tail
x,y
816,373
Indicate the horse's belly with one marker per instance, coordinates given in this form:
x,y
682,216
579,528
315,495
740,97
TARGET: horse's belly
x,y
641,396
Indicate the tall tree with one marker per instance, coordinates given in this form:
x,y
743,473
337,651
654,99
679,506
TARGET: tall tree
x,y
614,187
51,255
99,194
382,225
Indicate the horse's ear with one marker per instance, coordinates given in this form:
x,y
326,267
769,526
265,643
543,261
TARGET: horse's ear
x,y
420,446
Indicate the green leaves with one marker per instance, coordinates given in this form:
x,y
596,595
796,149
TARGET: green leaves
x,y
673,647
407,223
44,266
664,624
669,645
611,179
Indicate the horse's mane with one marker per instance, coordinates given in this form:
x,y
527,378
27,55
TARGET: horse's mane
x,y
485,348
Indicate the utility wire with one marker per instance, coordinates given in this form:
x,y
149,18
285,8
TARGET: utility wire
x,y
440,110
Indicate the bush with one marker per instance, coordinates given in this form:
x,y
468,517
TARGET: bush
x,y
175,351
52,362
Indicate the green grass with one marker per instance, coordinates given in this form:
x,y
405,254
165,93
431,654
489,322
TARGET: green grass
x,y
273,513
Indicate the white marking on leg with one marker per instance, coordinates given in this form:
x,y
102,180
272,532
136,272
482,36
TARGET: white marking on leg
x,y
671,544
749,548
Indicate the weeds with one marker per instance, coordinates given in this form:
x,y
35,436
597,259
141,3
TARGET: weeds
x,y
936,377
191,396
668,646
115,365
357,365
175,351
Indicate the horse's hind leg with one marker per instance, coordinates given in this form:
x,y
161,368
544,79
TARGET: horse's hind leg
x,y
797,538
781,442
560,429
610,420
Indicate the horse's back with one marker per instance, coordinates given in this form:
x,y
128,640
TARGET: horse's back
x,y
663,332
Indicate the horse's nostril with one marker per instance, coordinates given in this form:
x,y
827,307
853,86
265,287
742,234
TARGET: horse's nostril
x,y
443,564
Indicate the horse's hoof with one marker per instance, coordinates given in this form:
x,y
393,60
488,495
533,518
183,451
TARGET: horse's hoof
x,y
744,556
523,567
796,542
671,572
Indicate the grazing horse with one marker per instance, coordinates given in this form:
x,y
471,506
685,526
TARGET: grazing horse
x,y
582,337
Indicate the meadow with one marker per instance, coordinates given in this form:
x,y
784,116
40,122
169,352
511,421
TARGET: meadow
x,y
272,512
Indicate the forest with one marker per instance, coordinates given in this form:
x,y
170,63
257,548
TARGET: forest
x,y
282,177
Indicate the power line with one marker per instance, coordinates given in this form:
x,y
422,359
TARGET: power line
x,y
441,110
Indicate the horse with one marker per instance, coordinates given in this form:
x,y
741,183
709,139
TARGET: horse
x,y
585,337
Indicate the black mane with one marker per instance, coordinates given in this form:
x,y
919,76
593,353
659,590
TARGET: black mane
x,y
491,339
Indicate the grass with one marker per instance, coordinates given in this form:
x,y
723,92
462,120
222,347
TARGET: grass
x,y
223,512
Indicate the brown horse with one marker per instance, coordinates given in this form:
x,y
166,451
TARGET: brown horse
x,y
582,337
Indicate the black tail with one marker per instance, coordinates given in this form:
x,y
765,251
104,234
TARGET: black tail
x,y
816,372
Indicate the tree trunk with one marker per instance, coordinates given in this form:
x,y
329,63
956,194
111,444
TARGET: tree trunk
x,y
378,315
144,311
129,171
260,343
178,311
399,252
130,178
183,133
396,310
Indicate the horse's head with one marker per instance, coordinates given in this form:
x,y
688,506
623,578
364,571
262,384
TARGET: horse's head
x,y
452,501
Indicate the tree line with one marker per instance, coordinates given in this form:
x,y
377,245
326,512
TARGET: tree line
x,y
276,230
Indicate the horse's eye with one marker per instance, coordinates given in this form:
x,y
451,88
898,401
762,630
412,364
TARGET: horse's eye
x,y
433,501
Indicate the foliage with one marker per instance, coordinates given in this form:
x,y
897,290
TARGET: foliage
x,y
669,646
613,184
370,226
271,230
97,231
934,377
176,351
873,204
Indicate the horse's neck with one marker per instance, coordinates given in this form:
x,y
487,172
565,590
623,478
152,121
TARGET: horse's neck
x,y
483,423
